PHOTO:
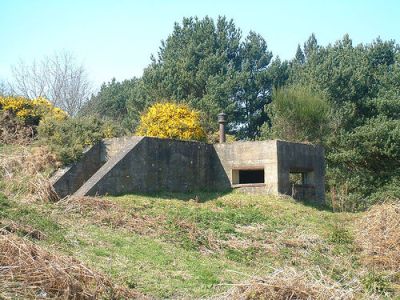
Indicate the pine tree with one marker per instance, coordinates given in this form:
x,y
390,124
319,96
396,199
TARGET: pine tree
x,y
310,46
299,58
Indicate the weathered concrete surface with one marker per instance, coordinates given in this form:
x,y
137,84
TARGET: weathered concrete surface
x,y
301,158
278,159
68,180
152,165
143,164
250,155
115,157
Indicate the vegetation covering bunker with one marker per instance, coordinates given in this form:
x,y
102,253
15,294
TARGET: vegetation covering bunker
x,y
145,164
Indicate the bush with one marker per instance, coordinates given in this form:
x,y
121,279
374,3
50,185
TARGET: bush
x,y
171,120
298,114
69,138
31,112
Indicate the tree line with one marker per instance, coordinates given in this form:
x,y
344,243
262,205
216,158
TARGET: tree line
x,y
210,66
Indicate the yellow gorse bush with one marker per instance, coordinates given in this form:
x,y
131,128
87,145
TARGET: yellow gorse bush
x,y
171,120
27,109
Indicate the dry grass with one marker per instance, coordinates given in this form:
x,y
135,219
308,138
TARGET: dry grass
x,y
378,235
206,239
7,226
29,272
23,173
100,211
82,205
13,131
288,284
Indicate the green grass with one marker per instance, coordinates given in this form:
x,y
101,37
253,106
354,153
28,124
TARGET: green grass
x,y
194,245
197,248
28,217
152,266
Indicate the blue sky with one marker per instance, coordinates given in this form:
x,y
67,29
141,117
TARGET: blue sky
x,y
116,38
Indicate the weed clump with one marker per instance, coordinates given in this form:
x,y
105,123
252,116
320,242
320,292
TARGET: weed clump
x,y
24,173
288,284
378,236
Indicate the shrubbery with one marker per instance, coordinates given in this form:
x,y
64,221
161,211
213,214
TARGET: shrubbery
x,y
370,153
362,153
171,120
23,120
69,138
19,118
31,112
13,129
298,114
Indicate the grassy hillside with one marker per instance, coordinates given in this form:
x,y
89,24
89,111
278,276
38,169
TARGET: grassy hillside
x,y
167,247
203,245
173,246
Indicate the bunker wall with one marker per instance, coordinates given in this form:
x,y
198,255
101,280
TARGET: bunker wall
x,y
68,180
155,165
309,160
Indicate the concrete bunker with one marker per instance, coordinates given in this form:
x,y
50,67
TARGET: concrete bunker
x,y
145,164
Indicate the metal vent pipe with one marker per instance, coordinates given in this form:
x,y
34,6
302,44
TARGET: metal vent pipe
x,y
222,121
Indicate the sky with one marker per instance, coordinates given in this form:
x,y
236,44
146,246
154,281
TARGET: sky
x,y
116,38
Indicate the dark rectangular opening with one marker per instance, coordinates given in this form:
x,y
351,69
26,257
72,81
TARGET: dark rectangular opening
x,y
296,178
301,185
251,176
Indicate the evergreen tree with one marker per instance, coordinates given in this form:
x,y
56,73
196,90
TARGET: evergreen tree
x,y
299,57
362,85
119,101
205,63
310,46
198,64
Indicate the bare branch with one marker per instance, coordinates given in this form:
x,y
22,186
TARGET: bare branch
x,y
3,88
58,78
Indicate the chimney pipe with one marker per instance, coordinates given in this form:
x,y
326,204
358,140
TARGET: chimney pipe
x,y
222,121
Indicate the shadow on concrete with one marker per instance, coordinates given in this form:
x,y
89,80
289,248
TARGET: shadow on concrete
x,y
147,165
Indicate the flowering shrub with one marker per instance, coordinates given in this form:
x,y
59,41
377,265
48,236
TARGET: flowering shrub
x,y
171,120
31,111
